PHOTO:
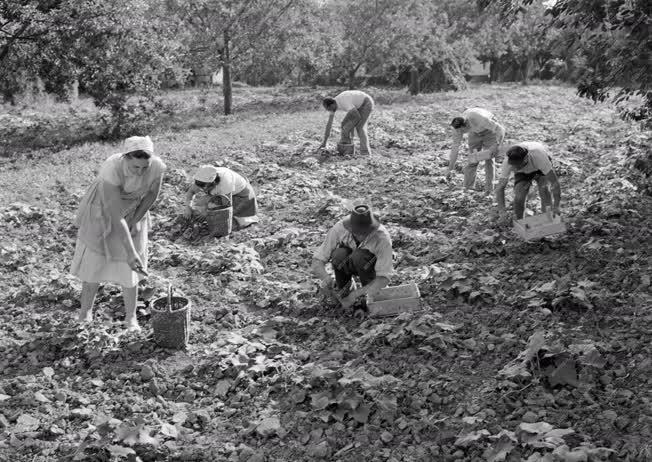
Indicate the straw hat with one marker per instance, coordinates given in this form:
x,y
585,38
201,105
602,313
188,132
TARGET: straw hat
x,y
362,221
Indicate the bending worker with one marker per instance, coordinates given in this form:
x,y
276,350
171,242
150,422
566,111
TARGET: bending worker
x,y
485,137
530,161
358,107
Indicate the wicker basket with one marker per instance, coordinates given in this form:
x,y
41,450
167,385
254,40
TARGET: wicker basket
x,y
344,149
219,216
171,321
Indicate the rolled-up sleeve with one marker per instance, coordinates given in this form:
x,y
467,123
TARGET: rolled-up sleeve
x,y
542,162
384,265
325,250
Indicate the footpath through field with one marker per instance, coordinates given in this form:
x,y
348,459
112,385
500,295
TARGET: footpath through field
x,y
524,351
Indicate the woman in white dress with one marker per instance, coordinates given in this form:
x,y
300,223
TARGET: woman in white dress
x,y
113,219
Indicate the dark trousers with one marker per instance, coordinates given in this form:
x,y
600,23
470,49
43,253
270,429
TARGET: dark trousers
x,y
348,263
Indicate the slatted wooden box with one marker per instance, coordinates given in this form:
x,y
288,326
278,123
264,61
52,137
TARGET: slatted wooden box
x,y
391,301
538,226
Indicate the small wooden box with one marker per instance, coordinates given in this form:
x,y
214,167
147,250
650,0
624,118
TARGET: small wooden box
x,y
391,301
538,226
478,156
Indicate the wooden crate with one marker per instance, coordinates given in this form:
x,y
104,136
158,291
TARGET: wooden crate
x,y
394,300
475,157
538,226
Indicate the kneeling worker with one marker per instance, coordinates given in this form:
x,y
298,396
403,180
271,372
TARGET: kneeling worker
x,y
356,246
214,181
529,160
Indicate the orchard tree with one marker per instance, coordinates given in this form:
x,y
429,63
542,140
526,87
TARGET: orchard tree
x,y
612,40
113,49
301,48
528,39
373,33
381,35
219,31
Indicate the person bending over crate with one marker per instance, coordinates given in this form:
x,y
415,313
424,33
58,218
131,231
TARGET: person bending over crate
x,y
529,160
216,181
358,106
485,137
112,219
356,246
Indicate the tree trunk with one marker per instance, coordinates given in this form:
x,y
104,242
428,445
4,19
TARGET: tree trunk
x,y
352,79
227,89
415,87
494,70
526,70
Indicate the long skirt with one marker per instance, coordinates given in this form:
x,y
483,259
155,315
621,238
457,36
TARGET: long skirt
x,y
247,200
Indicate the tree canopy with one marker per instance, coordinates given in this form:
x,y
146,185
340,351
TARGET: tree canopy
x,y
130,47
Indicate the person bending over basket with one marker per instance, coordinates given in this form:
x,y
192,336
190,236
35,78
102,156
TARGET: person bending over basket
x,y
113,219
216,181
358,107
530,161
356,246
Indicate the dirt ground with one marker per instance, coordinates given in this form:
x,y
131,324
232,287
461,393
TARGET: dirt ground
x,y
522,351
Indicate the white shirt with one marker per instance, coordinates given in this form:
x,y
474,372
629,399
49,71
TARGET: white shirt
x,y
538,159
478,120
350,99
230,182
379,243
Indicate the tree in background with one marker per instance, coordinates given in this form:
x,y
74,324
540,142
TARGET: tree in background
x,y
221,31
515,49
609,42
113,49
299,50
528,46
615,41
385,36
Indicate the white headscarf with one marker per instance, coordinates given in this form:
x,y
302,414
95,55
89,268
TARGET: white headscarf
x,y
206,174
139,143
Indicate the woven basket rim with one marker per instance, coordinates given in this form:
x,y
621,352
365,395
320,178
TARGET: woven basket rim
x,y
164,309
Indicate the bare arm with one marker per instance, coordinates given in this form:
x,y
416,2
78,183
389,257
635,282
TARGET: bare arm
x,y
329,125
114,203
319,270
452,158
373,287
190,194
146,203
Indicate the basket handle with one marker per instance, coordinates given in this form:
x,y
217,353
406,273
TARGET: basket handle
x,y
170,297
224,198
